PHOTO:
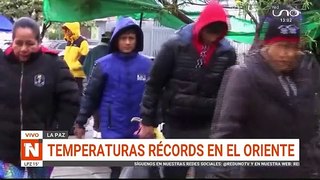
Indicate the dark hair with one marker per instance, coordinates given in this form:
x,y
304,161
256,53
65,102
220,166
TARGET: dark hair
x,y
26,22
216,28
130,29
105,37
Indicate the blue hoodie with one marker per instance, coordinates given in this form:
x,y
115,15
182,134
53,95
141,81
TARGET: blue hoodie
x,y
116,86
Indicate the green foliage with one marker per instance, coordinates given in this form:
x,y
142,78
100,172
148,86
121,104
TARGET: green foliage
x,y
33,8
19,8
55,32
88,23
311,37
262,7
54,35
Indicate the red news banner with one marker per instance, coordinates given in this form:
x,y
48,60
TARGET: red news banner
x,y
44,148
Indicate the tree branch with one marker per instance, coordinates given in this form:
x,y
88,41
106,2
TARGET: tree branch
x,y
198,4
44,29
176,12
182,3
257,42
254,19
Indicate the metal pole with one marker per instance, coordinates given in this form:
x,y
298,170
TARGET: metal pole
x,y
141,19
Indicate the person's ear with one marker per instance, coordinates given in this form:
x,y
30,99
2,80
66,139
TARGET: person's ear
x,y
264,48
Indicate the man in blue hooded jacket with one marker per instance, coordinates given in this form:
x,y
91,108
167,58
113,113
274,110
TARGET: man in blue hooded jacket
x,y
116,85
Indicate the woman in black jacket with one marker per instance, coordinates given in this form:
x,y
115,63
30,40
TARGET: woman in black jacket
x,y
37,92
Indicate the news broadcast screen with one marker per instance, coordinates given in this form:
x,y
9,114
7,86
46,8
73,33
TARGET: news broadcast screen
x,y
53,148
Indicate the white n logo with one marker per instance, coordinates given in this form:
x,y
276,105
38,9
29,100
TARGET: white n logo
x,y
32,148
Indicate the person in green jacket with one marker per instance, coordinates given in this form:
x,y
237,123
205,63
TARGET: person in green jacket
x,y
94,54
97,52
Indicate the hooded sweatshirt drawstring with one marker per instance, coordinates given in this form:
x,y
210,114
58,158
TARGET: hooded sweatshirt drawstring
x,y
288,85
203,55
212,13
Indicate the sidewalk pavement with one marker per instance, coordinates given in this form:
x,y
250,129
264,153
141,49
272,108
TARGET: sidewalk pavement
x,y
82,172
91,172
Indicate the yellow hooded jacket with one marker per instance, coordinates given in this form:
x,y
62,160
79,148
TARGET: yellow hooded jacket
x,y
76,50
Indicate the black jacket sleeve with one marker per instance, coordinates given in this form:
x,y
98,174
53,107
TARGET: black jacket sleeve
x,y
67,97
92,95
233,57
81,59
232,104
310,62
159,76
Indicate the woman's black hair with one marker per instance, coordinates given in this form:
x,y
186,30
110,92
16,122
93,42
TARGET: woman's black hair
x,y
26,22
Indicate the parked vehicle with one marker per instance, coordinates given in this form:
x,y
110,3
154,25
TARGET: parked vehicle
x,y
60,45
61,53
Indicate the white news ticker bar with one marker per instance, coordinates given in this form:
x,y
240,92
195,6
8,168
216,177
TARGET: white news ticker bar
x,y
238,146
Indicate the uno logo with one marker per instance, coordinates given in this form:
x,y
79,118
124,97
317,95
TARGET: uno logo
x,y
31,149
288,13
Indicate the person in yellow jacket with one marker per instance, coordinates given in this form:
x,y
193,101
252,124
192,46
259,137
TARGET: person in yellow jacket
x,y
76,50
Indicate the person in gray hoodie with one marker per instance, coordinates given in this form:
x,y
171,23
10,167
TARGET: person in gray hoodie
x,y
272,96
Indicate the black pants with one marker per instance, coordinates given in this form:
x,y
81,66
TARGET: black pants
x,y
174,133
154,173
79,81
96,119
115,172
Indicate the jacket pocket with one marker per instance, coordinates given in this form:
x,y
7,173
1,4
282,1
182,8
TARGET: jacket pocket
x,y
109,117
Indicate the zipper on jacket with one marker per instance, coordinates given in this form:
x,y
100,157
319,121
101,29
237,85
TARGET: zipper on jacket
x,y
109,117
20,96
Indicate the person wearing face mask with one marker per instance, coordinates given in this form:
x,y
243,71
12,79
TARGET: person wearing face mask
x,y
37,92
273,95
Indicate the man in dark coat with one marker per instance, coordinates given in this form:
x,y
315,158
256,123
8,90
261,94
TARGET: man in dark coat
x,y
273,95
186,77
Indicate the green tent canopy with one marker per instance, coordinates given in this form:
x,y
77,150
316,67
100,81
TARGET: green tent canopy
x,y
84,10
241,30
